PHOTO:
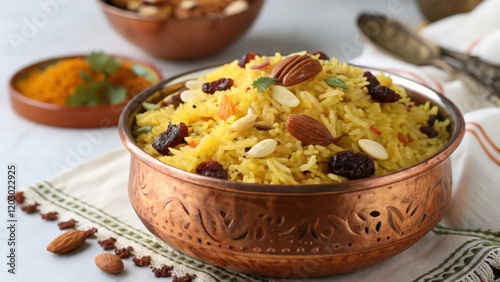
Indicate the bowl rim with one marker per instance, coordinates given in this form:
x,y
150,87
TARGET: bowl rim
x,y
456,126
18,97
109,8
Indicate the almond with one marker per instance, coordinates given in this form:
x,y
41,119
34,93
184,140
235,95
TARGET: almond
x,y
67,242
109,263
308,130
373,149
284,96
296,69
262,149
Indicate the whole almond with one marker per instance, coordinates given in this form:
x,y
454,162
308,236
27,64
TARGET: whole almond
x,y
308,130
67,242
109,263
295,69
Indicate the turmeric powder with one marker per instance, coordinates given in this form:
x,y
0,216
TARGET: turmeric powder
x,y
57,82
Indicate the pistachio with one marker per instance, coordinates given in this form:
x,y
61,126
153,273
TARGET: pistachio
x,y
262,149
373,149
284,96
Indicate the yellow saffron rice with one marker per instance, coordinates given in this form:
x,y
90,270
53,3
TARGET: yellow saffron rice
x,y
350,113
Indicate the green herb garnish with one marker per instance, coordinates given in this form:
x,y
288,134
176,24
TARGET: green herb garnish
x,y
141,130
94,93
335,81
143,71
149,106
263,83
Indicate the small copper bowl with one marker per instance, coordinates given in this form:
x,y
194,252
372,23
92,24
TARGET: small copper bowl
x,y
181,38
68,116
290,231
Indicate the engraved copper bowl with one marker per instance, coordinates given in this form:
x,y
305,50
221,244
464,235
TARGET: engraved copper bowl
x,y
285,230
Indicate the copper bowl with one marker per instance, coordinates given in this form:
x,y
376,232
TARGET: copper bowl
x,y
289,230
181,38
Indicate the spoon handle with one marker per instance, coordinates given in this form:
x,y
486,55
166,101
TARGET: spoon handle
x,y
481,82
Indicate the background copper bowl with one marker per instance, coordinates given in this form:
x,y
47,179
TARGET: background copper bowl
x,y
286,230
181,38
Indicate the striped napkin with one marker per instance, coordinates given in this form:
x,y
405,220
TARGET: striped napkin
x,y
465,246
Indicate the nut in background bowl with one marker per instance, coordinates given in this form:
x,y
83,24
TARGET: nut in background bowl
x,y
292,231
181,38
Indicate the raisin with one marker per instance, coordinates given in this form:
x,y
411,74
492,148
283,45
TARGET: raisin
x,y
173,136
429,131
432,119
351,165
322,55
217,85
212,169
384,94
173,99
372,80
245,59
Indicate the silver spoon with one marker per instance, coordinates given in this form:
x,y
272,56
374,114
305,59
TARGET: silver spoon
x,y
402,42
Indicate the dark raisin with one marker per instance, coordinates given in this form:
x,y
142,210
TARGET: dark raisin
x,y
322,56
173,99
217,85
432,119
384,94
212,169
351,165
173,136
246,58
372,80
429,131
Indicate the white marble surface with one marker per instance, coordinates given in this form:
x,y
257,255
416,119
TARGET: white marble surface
x,y
32,30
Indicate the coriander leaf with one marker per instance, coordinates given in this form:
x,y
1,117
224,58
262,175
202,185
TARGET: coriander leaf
x,y
263,82
143,71
115,93
149,106
335,81
102,62
85,76
86,95
141,130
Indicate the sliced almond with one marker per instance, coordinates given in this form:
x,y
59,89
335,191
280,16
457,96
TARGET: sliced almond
x,y
284,96
262,149
193,84
373,149
244,123
309,131
189,95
